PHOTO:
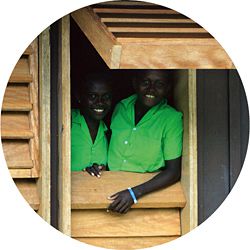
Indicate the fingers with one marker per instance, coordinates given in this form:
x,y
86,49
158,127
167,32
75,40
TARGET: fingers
x,y
113,196
113,205
121,202
94,171
119,206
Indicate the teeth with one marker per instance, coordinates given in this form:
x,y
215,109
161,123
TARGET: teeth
x,y
150,96
99,110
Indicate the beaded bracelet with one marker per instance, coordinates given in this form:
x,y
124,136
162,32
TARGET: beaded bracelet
x,y
132,195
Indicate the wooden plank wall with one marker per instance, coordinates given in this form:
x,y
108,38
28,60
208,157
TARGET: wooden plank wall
x,y
223,131
152,221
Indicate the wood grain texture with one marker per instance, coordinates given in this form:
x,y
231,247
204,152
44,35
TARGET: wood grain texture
x,y
16,106
28,51
21,72
134,11
44,186
176,30
15,121
124,46
34,114
20,164
127,242
16,98
64,210
16,150
167,55
103,41
23,173
126,3
118,19
28,189
16,134
90,192
137,222
185,101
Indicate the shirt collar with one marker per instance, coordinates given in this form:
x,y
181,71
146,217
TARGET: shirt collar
x,y
78,118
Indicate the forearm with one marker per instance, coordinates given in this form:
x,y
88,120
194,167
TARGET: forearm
x,y
164,179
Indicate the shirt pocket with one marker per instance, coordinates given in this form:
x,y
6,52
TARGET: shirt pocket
x,y
148,151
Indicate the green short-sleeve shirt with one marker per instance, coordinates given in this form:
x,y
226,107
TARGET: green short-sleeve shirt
x,y
83,151
144,147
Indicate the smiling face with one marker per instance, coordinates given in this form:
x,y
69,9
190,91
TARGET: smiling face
x,y
151,86
96,99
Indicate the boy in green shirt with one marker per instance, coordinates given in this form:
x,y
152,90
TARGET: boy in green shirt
x,y
146,137
88,140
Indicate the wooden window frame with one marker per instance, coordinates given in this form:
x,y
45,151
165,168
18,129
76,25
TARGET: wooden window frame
x,y
189,165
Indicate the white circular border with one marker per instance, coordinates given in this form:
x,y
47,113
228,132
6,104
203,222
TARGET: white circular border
x,y
22,21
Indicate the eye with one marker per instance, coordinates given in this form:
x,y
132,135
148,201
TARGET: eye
x,y
92,96
145,82
159,84
106,97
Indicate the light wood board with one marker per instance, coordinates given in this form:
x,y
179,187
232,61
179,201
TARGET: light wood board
x,y
127,242
137,222
92,192
28,189
112,31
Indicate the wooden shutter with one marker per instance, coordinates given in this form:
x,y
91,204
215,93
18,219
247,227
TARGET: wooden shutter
x,y
19,119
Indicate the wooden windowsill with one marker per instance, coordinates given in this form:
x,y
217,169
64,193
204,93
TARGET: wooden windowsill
x,y
91,192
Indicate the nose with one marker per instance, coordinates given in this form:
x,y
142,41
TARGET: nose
x,y
99,100
151,86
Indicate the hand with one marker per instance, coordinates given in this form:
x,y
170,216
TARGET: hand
x,y
95,170
122,202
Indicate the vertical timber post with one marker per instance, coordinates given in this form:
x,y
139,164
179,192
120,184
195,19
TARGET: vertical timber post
x,y
44,108
64,212
185,100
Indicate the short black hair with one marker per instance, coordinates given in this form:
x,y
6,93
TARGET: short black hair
x,y
169,73
92,77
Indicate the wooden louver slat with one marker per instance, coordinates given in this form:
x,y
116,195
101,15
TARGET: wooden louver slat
x,y
17,134
134,11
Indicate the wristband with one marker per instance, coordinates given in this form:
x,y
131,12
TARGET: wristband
x,y
132,195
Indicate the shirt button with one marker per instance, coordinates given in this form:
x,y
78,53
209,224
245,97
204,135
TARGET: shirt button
x,y
134,129
124,160
125,142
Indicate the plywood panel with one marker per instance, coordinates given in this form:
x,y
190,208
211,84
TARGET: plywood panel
x,y
28,189
15,121
128,242
88,192
137,222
